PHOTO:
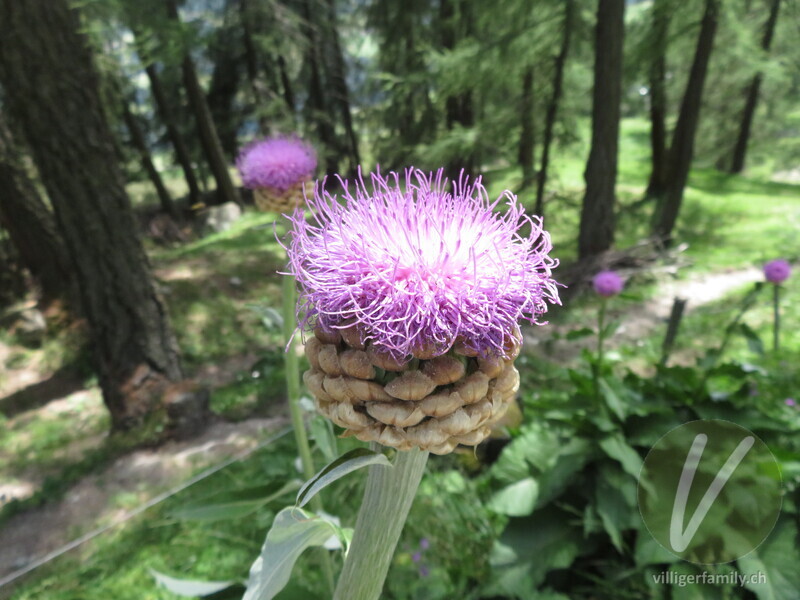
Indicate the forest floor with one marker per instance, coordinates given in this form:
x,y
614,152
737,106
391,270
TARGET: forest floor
x,y
69,477
135,478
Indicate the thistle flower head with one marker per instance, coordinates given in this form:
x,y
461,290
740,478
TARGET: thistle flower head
x,y
413,264
777,271
607,283
276,162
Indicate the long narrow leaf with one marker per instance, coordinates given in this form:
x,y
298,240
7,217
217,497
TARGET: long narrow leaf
x,y
190,588
346,463
234,504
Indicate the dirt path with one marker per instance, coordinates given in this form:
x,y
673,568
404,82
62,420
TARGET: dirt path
x,y
644,318
144,473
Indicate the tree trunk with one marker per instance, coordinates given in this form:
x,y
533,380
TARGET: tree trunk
x,y
682,148
182,154
138,141
552,106
51,89
318,104
224,87
207,131
260,95
527,130
455,19
597,214
659,29
286,84
339,84
740,150
30,224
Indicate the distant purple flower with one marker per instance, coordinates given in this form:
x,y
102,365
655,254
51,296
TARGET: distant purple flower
x,y
424,571
276,162
414,265
790,402
416,557
607,283
777,271
424,543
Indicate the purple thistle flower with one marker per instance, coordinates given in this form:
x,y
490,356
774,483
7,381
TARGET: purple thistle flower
x,y
276,162
777,271
416,557
607,283
414,265
790,402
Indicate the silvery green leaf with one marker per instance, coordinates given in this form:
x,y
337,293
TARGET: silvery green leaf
x,y
190,588
323,434
346,463
517,499
234,503
291,533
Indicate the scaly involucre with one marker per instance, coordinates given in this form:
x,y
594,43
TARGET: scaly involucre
x,y
414,265
277,162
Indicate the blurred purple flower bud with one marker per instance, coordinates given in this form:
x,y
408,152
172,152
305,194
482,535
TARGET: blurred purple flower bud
x,y
276,162
607,283
424,543
777,271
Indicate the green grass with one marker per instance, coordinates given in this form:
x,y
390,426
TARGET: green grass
x,y
116,565
729,222
209,284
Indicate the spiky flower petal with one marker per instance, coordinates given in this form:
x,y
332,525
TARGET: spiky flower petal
x,y
411,267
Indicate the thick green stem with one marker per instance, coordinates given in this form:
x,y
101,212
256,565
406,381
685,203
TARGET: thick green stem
x,y
387,500
293,377
601,335
293,396
776,326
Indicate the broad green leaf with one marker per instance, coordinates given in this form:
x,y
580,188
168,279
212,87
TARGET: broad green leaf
x,y
570,458
234,504
577,334
613,400
695,591
615,502
345,464
190,588
517,499
649,552
291,533
544,541
778,559
753,340
618,449
533,447
610,328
